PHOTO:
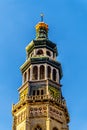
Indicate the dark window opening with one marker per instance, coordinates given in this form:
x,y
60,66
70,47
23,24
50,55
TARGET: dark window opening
x,y
29,74
40,52
55,128
42,72
38,128
48,53
35,73
49,72
54,74
33,92
42,92
38,92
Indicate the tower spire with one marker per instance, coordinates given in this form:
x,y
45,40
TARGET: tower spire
x,y
41,29
42,16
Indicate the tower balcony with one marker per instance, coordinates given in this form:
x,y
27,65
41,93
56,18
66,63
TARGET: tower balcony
x,y
46,98
38,98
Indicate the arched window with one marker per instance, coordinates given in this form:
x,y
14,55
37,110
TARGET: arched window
x,y
38,92
25,76
38,128
35,73
49,72
54,74
29,74
48,53
42,72
33,92
40,52
55,128
42,92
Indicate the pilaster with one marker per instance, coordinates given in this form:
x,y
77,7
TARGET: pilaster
x,y
48,124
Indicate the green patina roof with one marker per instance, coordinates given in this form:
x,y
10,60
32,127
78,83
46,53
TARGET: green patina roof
x,y
40,44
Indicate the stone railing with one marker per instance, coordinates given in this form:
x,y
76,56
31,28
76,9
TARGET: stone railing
x,y
38,98
46,97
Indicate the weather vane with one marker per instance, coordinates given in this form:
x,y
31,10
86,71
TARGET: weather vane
x,y
42,15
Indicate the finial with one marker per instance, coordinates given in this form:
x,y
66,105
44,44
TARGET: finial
x,y
42,15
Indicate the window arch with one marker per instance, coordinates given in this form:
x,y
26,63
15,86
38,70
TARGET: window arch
x,y
54,74
48,53
42,72
49,72
35,73
38,128
25,76
40,52
55,128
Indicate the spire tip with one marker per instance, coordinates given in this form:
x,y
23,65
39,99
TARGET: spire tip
x,y
42,15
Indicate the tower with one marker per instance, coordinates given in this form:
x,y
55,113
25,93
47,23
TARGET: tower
x,y
41,105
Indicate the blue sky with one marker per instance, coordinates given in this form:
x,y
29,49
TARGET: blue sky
x,y
67,20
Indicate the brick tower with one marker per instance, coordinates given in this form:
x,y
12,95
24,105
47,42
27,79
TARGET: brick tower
x,y
41,105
